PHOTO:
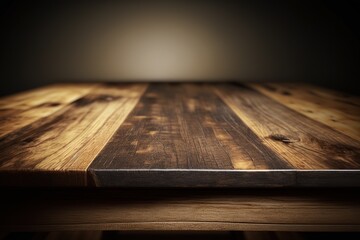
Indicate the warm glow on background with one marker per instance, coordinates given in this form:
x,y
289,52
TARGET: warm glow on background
x,y
159,48
137,42
164,40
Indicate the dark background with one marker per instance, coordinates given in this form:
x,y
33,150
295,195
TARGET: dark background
x,y
49,41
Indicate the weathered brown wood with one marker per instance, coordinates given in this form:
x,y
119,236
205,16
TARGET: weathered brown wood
x,y
208,178
195,130
300,141
339,111
179,135
153,209
20,110
57,149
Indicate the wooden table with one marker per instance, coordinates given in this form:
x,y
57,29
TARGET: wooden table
x,y
180,156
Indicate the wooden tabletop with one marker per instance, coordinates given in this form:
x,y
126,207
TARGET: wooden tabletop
x,y
180,135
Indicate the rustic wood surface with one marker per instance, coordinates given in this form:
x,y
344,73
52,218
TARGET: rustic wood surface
x,y
180,135
180,209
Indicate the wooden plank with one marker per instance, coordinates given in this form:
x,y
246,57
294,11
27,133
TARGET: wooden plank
x,y
22,109
215,178
218,178
173,135
300,141
181,126
63,144
338,111
180,209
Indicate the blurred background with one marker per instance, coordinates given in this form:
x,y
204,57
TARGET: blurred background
x,y
251,40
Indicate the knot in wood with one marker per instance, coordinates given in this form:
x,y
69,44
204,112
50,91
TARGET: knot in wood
x,y
281,138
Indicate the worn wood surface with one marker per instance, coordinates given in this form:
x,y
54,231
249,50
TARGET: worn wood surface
x,y
180,135
337,110
180,209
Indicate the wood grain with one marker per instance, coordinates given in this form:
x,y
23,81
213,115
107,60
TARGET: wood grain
x,y
181,209
20,110
300,141
196,131
338,111
179,135
66,142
